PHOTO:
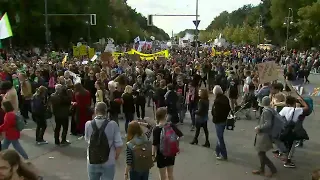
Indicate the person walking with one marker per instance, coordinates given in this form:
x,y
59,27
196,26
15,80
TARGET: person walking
x,y
220,111
128,105
9,127
38,107
202,117
263,141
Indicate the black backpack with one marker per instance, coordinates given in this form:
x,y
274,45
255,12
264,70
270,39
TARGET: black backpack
x,y
99,145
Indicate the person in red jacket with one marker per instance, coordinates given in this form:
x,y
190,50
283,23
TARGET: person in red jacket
x,y
12,135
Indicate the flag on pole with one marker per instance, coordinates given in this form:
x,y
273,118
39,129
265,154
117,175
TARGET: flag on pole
x,y
5,27
64,60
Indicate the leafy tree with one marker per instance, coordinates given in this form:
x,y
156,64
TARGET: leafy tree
x,y
309,24
114,19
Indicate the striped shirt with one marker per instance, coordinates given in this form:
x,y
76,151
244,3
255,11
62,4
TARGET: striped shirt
x,y
129,153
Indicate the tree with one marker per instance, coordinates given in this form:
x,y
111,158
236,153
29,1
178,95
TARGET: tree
x,y
114,19
309,24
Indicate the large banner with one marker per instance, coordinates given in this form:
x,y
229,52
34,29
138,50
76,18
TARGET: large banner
x,y
147,57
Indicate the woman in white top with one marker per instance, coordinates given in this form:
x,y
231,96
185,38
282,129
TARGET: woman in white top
x,y
292,113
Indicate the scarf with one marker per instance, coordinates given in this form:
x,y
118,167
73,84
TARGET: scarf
x,y
190,95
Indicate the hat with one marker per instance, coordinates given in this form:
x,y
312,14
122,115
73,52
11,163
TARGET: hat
x,y
265,101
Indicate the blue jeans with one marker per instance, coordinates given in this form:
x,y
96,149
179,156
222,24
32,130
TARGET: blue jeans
x,y
221,146
101,171
16,145
134,175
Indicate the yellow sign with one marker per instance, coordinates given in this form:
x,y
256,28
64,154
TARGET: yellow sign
x,y
215,53
91,52
83,50
76,51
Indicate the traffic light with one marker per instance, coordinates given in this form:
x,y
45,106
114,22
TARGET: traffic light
x,y
149,20
93,19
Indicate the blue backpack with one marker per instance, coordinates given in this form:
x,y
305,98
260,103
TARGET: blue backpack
x,y
36,104
309,101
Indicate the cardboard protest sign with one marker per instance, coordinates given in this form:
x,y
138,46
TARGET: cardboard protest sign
x,y
106,58
267,72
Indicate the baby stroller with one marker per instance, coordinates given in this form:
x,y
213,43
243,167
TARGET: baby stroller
x,y
249,101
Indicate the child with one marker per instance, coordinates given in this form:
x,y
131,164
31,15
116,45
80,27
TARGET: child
x,y
278,101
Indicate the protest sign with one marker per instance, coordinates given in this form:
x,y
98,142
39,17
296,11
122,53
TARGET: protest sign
x,y
267,72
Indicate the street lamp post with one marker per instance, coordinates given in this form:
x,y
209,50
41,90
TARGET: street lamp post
x,y
259,28
46,21
288,21
197,31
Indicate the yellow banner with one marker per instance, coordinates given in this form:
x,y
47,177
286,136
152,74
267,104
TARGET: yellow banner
x,y
215,53
83,51
147,57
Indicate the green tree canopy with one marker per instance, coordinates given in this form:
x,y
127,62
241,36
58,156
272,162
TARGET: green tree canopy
x,y
114,19
243,24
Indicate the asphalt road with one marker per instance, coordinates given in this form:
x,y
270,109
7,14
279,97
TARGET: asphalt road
x,y
64,163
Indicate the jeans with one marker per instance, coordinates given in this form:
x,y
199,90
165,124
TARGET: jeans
x,y
134,175
141,106
182,112
192,111
101,171
265,161
16,145
221,146
64,123
41,126
129,117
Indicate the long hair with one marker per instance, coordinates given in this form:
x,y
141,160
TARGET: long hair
x,y
78,88
134,129
13,158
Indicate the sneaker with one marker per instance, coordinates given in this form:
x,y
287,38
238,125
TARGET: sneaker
x,y
220,158
65,143
42,142
299,144
289,165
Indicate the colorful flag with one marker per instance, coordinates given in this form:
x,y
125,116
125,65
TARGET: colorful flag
x,y
5,27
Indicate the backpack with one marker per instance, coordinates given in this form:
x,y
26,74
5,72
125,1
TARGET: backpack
x,y
279,123
309,101
142,155
36,104
19,122
169,144
99,145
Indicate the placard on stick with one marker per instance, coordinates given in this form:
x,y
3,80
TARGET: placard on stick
x,y
267,72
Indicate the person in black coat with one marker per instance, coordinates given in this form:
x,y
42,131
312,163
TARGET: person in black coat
x,y
202,117
220,111
128,105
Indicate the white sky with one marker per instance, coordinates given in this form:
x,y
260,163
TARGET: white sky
x,y
208,9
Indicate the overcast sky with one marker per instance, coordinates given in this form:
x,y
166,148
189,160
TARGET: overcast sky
x,y
208,9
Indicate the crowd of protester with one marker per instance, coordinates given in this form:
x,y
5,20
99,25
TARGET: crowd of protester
x,y
94,96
